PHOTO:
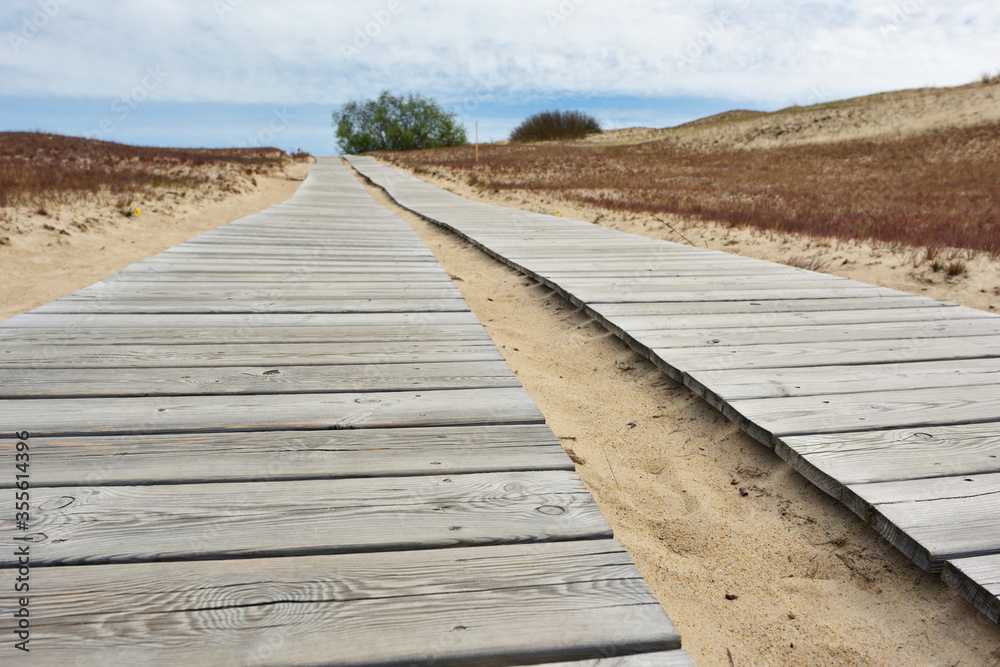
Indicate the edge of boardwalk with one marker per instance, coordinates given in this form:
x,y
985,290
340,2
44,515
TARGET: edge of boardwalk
x,y
802,429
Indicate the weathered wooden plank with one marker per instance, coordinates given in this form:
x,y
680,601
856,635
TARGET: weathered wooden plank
x,y
454,333
203,414
499,605
977,579
776,293
730,385
336,235
689,360
277,305
315,256
106,524
360,283
239,354
293,293
313,263
345,236
292,266
288,455
325,248
660,309
767,418
727,322
641,282
97,382
933,520
692,268
834,460
755,334
78,322
254,279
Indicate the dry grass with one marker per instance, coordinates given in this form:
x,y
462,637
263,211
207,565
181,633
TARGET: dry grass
x,y
818,263
36,169
66,185
934,189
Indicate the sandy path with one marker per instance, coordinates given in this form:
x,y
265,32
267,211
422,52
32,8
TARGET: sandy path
x,y
45,265
705,510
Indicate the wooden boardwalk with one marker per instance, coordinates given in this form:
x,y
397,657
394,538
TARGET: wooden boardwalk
x,y
888,401
289,442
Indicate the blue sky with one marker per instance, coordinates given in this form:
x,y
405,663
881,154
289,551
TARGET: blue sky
x,y
262,72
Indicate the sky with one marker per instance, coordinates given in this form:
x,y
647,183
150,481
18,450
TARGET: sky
x,y
225,73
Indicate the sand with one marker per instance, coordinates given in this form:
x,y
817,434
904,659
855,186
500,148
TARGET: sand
x,y
75,245
706,511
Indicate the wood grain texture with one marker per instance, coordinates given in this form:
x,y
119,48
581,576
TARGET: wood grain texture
x,y
978,581
868,411
730,385
933,520
83,323
737,322
243,354
503,605
834,460
292,292
261,333
203,414
761,305
106,524
755,333
180,305
288,455
109,382
830,354
777,292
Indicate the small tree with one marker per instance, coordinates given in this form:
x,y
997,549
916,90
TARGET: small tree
x,y
554,125
391,123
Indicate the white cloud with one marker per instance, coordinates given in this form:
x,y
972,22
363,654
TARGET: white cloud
x,y
293,51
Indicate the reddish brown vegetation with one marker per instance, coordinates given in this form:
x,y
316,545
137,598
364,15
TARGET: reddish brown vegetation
x,y
936,189
38,167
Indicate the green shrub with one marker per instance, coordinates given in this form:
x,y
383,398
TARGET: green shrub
x,y
390,123
555,125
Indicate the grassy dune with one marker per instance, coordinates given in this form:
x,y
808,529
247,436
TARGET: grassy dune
x,y
68,184
915,168
36,168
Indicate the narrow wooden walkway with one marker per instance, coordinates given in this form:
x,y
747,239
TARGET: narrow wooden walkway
x,y
887,401
288,442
